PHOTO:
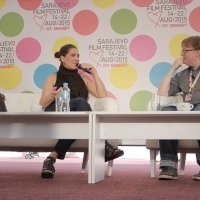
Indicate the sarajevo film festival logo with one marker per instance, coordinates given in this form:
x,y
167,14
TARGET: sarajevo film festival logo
x,y
40,20
155,17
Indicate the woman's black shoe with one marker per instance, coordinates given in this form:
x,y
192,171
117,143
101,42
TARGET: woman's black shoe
x,y
112,152
48,169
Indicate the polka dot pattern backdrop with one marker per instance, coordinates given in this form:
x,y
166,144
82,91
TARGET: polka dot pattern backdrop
x,y
131,43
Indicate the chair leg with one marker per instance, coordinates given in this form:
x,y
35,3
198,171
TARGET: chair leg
x,y
110,166
153,162
182,163
85,162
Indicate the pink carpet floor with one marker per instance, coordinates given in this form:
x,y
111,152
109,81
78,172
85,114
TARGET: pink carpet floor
x,y
20,179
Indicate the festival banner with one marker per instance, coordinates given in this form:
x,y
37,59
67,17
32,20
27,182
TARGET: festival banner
x,y
131,43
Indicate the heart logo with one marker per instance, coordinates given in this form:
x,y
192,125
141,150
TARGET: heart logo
x,y
96,57
155,17
40,20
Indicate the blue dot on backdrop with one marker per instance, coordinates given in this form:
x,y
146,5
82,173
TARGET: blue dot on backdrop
x,y
158,72
41,74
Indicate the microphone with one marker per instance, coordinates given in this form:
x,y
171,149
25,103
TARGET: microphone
x,y
84,69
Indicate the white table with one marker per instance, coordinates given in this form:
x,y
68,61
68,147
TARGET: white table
x,y
139,125
72,125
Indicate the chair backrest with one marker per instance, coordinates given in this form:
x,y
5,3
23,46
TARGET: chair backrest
x,y
91,101
20,102
164,100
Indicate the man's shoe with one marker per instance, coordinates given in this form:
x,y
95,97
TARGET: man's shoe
x,y
196,177
169,173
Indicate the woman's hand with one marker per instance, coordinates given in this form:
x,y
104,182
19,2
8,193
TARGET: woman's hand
x,y
89,67
95,86
55,93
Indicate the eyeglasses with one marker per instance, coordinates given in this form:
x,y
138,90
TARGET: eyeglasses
x,y
183,51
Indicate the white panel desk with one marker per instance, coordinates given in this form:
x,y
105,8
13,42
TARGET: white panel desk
x,y
72,125
139,125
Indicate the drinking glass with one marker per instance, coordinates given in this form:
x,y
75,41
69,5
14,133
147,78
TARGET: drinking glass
x,y
155,102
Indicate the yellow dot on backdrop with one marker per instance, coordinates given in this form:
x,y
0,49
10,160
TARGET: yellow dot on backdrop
x,y
10,78
2,3
123,77
63,41
175,45
104,3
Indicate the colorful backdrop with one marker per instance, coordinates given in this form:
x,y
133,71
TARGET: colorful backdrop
x,y
131,43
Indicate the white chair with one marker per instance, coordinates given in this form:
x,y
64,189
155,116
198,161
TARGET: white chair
x,y
184,146
20,102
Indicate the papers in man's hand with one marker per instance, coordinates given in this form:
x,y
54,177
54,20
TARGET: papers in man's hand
x,y
166,105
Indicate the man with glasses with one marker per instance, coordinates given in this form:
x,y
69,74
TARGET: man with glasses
x,y
186,82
